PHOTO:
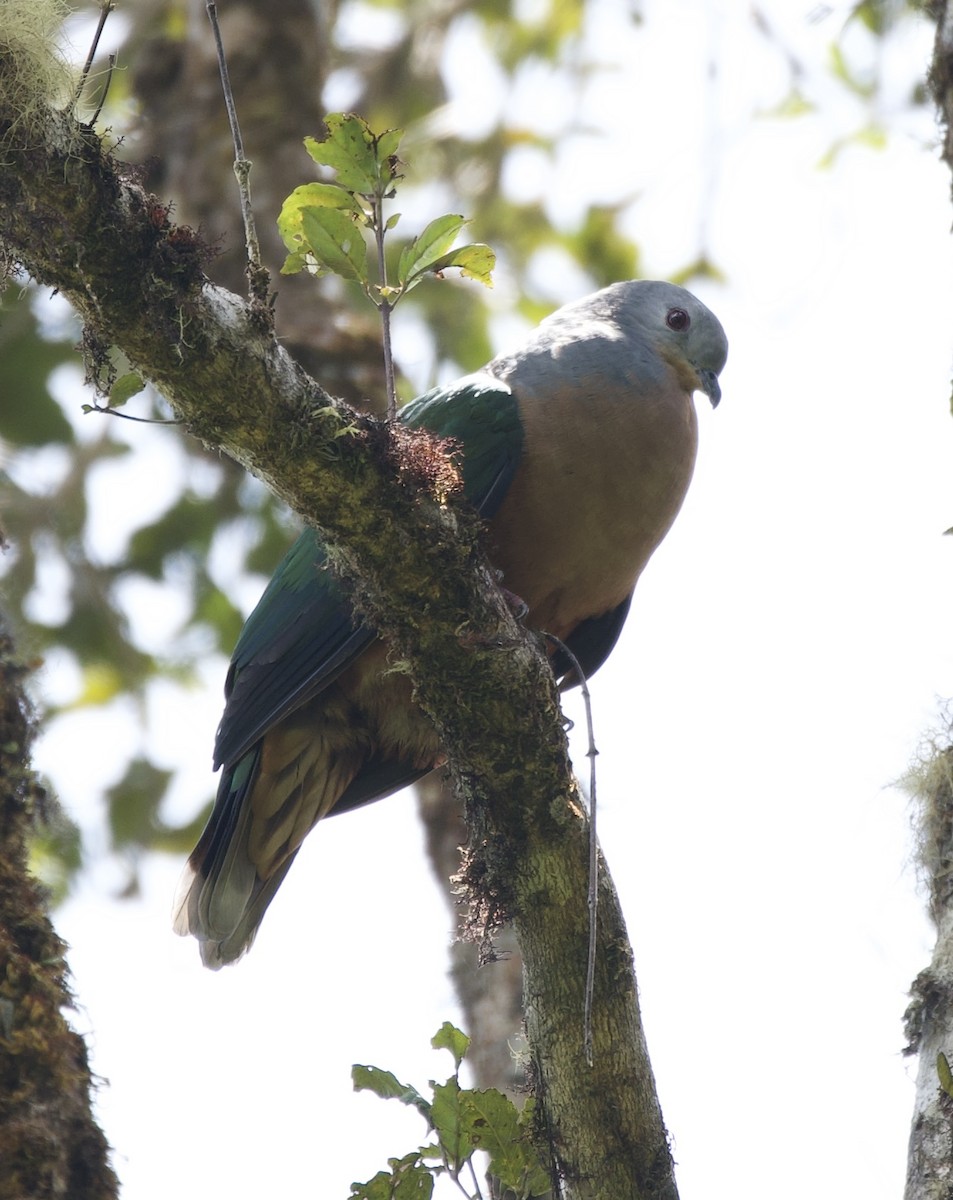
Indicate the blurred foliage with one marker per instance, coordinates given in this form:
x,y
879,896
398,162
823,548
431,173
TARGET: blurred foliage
x,y
387,60
29,416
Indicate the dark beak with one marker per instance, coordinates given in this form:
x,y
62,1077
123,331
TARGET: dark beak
x,y
708,382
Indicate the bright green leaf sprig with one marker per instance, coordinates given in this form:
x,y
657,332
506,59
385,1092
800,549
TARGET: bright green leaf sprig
x,y
463,1120
325,226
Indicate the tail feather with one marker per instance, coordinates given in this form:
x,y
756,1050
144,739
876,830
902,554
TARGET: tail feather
x,y
218,950
219,881
266,805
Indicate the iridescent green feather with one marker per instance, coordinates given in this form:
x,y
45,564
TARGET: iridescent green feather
x,y
301,634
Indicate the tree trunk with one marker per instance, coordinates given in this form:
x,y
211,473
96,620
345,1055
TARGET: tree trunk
x,y
50,1145
488,979
929,1017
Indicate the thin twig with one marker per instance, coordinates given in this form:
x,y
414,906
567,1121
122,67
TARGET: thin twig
x,y
390,381
478,1194
114,412
102,99
591,753
385,307
258,278
104,10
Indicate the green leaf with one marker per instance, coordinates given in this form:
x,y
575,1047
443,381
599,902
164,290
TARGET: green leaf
x,y
841,70
599,243
187,527
794,104
476,261
388,1087
452,1123
408,1179
429,246
448,1037
29,416
179,839
312,195
56,852
945,1074
874,15
387,143
125,387
872,135
336,243
215,608
500,1129
299,261
350,149
133,804
332,204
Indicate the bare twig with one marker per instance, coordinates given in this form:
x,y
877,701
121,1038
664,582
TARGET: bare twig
x,y
114,412
102,99
104,10
258,277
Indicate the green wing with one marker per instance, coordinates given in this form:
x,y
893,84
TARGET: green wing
x,y
302,634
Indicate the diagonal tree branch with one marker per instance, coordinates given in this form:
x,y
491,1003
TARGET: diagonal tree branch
x,y
75,221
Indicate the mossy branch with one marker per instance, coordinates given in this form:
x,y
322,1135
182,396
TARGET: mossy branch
x,y
78,222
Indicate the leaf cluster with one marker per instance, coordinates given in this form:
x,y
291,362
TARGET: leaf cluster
x,y
323,224
463,1121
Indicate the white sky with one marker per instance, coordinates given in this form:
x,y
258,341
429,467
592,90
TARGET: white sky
x,y
783,659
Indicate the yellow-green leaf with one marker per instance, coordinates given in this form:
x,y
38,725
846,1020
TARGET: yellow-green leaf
x,y
386,1085
476,261
387,143
297,262
449,1118
101,683
311,195
448,1037
350,149
336,242
429,246
125,387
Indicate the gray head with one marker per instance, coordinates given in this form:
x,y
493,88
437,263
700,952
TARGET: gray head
x,y
649,321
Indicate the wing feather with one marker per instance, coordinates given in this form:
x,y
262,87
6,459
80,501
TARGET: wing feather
x,y
301,637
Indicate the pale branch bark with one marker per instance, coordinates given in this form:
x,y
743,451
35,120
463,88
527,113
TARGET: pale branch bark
x,y
50,1146
929,1018
74,223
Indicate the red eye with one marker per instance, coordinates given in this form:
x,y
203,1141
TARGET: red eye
x,y
677,319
